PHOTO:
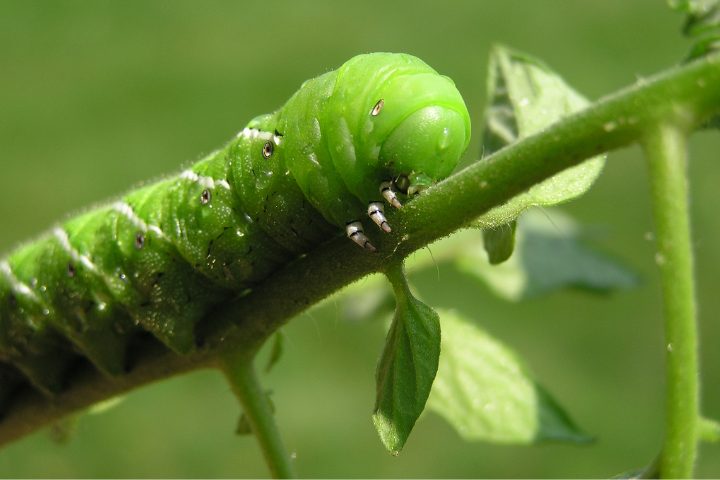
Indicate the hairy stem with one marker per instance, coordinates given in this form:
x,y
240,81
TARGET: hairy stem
x,y
240,372
665,147
395,273
689,94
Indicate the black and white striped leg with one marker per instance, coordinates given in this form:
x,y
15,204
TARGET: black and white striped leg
x,y
389,194
376,212
356,233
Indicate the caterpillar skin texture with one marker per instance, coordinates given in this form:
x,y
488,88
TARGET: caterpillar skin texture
x,y
156,260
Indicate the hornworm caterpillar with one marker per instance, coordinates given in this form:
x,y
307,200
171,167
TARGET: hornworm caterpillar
x,y
380,127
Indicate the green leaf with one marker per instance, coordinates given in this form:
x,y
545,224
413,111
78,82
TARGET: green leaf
x,y
548,257
709,430
499,242
244,427
276,352
525,96
485,392
694,7
407,366
702,24
703,16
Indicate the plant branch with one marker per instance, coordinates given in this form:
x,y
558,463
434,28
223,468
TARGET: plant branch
x,y
665,147
688,95
240,372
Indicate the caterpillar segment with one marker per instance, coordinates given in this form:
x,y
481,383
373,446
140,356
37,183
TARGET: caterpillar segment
x,y
160,257
9,380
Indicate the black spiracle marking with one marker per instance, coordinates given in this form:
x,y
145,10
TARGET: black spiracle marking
x,y
205,197
139,240
377,108
268,149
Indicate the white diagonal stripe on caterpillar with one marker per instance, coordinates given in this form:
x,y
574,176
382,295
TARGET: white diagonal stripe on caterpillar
x,y
255,133
62,236
127,211
77,257
15,283
207,182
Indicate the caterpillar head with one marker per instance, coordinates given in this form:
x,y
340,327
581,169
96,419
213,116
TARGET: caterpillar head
x,y
395,119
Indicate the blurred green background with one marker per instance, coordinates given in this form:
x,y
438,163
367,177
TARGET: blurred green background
x,y
97,96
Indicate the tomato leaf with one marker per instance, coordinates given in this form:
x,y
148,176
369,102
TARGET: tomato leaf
x,y
525,96
276,352
549,257
407,366
485,392
499,242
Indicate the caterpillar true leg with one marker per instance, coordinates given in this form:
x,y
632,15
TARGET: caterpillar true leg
x,y
356,233
376,212
389,194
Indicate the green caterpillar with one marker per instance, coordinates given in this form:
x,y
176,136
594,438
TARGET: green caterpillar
x,y
379,127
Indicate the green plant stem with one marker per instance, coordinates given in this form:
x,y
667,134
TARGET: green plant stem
x,y
395,273
240,372
688,94
665,147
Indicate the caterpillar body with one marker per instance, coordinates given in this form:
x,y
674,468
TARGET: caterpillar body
x,y
156,260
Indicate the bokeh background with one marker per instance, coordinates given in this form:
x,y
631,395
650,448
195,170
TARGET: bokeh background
x,y
97,96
